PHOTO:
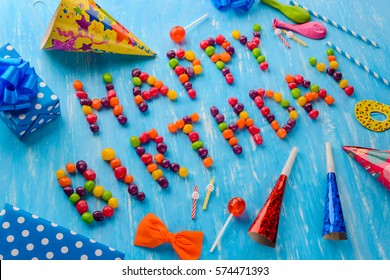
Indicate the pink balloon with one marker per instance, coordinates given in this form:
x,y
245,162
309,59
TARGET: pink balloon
x,y
312,29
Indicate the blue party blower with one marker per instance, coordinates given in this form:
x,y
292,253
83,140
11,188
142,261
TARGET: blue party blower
x,y
334,226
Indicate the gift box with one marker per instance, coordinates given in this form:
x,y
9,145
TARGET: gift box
x,y
26,102
24,236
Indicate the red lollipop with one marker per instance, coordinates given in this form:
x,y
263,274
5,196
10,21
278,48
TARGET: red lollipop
x,y
178,33
236,207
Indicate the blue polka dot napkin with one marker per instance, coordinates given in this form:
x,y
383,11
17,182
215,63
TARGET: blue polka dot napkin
x,y
24,236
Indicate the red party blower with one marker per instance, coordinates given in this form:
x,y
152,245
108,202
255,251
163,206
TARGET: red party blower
x,y
265,227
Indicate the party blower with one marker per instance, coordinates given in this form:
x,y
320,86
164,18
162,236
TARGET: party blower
x,y
264,229
334,227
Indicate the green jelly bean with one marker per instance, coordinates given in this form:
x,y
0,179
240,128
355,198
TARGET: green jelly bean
x,y
89,185
222,126
220,65
134,141
209,50
173,62
256,52
260,59
137,81
330,52
313,61
106,195
197,145
314,88
107,78
87,217
74,197
285,103
257,27
296,92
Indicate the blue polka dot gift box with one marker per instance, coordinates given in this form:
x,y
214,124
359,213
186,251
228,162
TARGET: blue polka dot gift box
x,y
26,102
24,236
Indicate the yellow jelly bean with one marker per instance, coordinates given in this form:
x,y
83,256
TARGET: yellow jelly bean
x,y
321,67
86,109
278,97
60,174
334,65
197,69
183,172
151,80
343,83
244,115
98,191
172,95
108,154
294,114
112,202
190,55
187,128
157,174
302,101
236,34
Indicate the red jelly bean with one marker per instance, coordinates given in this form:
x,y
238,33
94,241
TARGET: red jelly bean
x,y
232,101
219,39
322,93
265,111
261,92
194,136
81,94
91,118
259,102
81,206
254,130
264,65
144,137
258,139
292,85
229,78
251,45
111,93
191,93
144,76
147,158
179,70
108,211
298,79
146,95
313,114
158,139
180,53
164,90
153,91
120,172
256,40
89,174
204,44
349,90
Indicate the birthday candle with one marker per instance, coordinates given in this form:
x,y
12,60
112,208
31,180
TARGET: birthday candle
x,y
210,188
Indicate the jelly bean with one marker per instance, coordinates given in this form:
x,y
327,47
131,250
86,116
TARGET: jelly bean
x,y
159,85
172,128
183,78
256,52
260,59
120,172
265,111
194,136
163,182
314,95
143,107
256,34
157,174
89,175
343,83
172,63
147,158
298,79
313,114
108,154
180,53
74,198
270,118
264,65
202,152
237,149
91,118
293,115
312,61
214,58
134,141
243,40
292,85
172,95
174,167
140,150
60,174
197,144
243,115
291,122
219,39
161,148
70,167
222,126
229,78
94,128
78,85
187,120
98,216
136,81
306,84
106,195
278,97
308,107
189,72
282,133
258,139
227,134
128,179
225,57
253,130
65,181
284,103
257,27
179,70
251,45
238,108
233,141
118,109
236,34
170,54
240,123
113,202
334,65
89,185
87,217
158,139
309,97
289,78
330,71
114,101
86,109
269,93
220,65
194,117
151,167
68,191
207,162
141,196
86,101
302,101
259,102
81,94
204,44
107,211
189,55
198,69
321,67
107,78
330,52
322,93
122,119
349,90
187,128
105,102
209,50
296,92
98,191
329,99
249,122
275,125
183,172
337,76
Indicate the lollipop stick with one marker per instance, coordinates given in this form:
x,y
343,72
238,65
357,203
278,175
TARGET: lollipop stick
x,y
221,233
196,21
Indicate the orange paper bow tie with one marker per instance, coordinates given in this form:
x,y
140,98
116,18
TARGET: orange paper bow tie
x,y
152,232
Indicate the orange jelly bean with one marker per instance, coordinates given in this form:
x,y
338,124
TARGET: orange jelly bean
x,y
289,78
225,57
233,141
195,62
225,44
118,109
114,101
152,167
70,167
331,58
172,128
158,84
269,93
128,179
114,163
214,58
159,158
329,99
96,104
309,97
78,85
180,124
207,162
249,122
240,123
183,78
138,99
227,133
153,133
194,117
275,125
65,181
281,133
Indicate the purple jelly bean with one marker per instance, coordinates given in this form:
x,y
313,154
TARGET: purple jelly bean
x,y
94,128
143,107
225,71
219,118
237,149
171,54
290,108
122,119
135,72
330,71
190,72
253,94
306,83
140,150
270,118
81,166
291,122
187,120
238,108
233,126
175,167
98,216
136,91
214,111
165,163
163,182
81,191
132,189
86,101
161,148
230,50
243,40
203,152
109,86
141,196
287,128
188,85
105,102
211,41
308,107
337,76
68,190
256,34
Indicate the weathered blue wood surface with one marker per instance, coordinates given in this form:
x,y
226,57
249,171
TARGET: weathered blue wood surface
x,y
27,168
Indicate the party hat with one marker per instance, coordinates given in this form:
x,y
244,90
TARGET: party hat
x,y
334,227
264,229
376,162
83,26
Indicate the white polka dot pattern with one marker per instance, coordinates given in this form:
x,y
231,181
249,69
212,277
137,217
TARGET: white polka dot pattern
x,y
28,237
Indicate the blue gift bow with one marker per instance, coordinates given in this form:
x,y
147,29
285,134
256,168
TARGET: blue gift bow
x,y
18,82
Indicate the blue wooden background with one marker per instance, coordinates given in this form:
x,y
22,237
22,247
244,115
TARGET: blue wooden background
x,y
28,168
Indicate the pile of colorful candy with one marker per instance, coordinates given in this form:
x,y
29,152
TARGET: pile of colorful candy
x,y
257,96
120,172
157,87
77,197
185,74
186,125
